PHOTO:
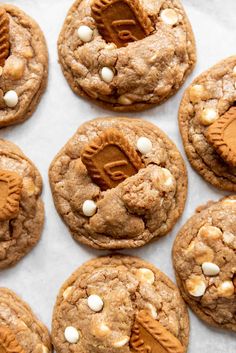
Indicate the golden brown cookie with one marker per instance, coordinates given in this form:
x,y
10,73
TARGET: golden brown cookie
x,y
119,183
23,65
20,330
21,208
126,55
119,303
207,120
204,256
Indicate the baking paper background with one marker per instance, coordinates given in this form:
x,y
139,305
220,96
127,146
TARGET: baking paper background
x,y
38,277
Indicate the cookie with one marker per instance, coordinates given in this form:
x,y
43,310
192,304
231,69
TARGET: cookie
x,y
119,183
21,208
20,330
205,263
119,303
207,120
23,65
126,55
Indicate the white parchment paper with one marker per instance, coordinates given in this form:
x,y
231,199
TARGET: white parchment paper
x,y
38,277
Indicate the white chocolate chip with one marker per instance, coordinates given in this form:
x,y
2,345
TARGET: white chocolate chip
x,y
100,330
121,342
44,349
110,46
210,269
196,93
71,334
29,186
210,232
27,52
167,179
191,247
208,116
169,16
144,145
123,100
226,289
107,74
203,253
152,310
229,201
14,68
234,71
85,33
229,238
95,303
196,286
145,275
11,99
67,292
89,208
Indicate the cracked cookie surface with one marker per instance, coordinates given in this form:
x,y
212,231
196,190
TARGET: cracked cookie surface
x,y
204,103
140,75
20,330
204,256
20,231
143,207
125,286
23,76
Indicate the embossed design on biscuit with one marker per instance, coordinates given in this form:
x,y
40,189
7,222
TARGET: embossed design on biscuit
x,y
149,336
4,36
121,21
8,342
10,191
110,159
222,136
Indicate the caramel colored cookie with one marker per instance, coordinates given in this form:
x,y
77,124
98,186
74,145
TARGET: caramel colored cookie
x,y
204,256
207,120
21,208
126,55
119,303
119,183
23,65
20,330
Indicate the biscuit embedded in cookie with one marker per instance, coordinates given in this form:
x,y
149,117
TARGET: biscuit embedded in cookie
x,y
20,330
121,21
4,36
208,125
21,207
8,341
120,313
110,159
204,256
118,183
222,135
148,335
10,192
